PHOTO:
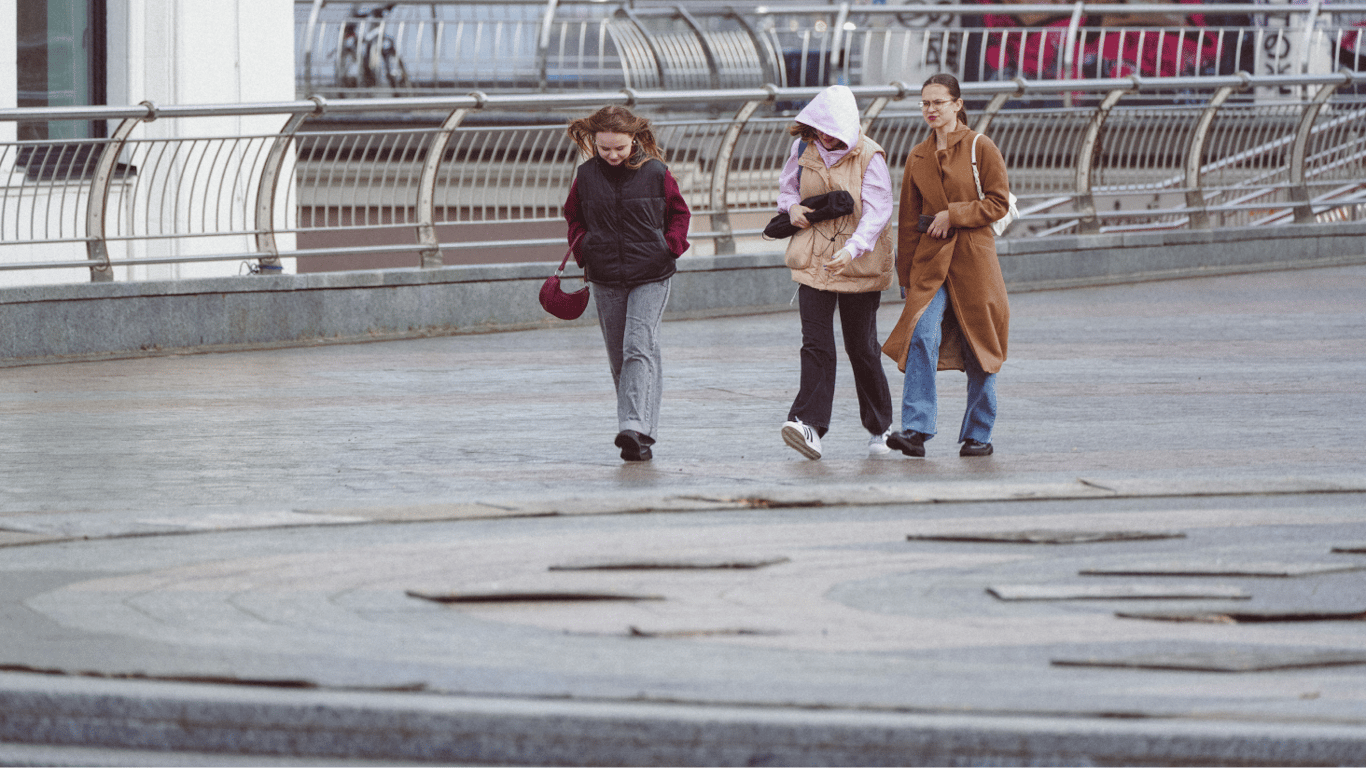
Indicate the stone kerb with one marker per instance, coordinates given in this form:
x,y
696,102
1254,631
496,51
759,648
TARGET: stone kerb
x,y
103,320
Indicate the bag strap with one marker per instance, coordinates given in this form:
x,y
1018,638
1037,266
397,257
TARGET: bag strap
x,y
567,254
975,178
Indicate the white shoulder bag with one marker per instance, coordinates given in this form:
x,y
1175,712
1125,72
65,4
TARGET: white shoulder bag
x,y
1002,224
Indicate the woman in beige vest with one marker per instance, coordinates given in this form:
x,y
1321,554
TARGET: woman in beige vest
x,y
844,263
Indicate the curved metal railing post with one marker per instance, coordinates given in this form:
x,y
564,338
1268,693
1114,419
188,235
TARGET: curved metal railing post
x,y
770,65
720,176
1069,51
309,38
543,44
713,64
1089,222
649,39
872,111
880,103
996,104
426,189
1195,196
268,189
1311,20
1299,188
837,58
97,206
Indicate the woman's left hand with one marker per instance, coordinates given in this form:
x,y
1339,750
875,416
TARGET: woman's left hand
x,y
837,263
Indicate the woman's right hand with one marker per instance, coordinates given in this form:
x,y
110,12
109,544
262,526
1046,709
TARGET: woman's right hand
x,y
940,228
797,215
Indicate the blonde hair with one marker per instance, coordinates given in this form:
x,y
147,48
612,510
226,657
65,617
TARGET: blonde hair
x,y
615,119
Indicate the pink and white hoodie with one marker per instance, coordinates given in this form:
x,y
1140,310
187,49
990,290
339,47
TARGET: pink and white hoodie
x,y
835,112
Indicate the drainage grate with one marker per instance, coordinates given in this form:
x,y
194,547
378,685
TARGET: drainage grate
x,y
1246,617
1225,661
1048,536
684,564
738,632
539,596
1219,568
1114,592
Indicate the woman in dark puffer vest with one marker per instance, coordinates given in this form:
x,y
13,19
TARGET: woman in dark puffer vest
x,y
628,222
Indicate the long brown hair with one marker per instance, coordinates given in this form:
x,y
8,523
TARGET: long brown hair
x,y
615,119
950,82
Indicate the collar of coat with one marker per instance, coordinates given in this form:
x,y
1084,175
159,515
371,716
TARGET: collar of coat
x,y
928,147
925,169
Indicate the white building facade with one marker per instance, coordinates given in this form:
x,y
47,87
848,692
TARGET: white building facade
x,y
122,52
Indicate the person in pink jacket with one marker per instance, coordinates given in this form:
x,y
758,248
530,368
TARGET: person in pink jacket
x,y
842,263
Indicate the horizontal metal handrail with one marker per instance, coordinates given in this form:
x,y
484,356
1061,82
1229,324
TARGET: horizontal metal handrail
x,y
1132,153
536,102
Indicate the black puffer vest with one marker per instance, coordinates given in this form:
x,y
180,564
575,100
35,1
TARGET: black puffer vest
x,y
623,212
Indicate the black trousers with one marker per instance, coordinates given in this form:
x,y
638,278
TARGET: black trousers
x,y
858,318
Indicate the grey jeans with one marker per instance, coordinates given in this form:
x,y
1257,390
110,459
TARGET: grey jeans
x,y
629,318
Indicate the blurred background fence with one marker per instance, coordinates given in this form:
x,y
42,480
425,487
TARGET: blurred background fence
x,y
455,46
462,157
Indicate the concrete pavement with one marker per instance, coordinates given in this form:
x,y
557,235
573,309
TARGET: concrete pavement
x,y
219,554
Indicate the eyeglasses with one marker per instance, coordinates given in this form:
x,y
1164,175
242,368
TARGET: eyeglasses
x,y
936,104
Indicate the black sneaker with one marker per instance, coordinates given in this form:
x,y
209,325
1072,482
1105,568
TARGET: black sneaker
x,y
909,442
634,446
974,448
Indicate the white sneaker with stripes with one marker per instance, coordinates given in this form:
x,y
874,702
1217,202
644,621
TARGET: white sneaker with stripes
x,y
802,438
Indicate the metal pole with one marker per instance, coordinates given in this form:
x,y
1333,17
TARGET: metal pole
x,y
657,54
837,41
996,104
1086,202
543,44
1195,197
96,211
771,65
1299,188
426,190
268,190
1069,50
720,178
712,63
1307,34
878,104
308,44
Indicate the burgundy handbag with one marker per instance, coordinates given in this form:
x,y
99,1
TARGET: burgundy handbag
x,y
566,306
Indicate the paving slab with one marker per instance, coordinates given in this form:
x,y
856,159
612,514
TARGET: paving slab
x,y
217,555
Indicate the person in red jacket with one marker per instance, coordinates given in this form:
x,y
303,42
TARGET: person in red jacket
x,y
628,223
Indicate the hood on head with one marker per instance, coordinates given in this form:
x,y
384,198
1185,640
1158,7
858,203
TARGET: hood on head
x,y
834,111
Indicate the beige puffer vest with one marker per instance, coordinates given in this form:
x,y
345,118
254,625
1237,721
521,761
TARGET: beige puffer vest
x,y
810,249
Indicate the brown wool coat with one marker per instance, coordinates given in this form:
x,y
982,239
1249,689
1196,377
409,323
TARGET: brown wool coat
x,y
965,262
810,249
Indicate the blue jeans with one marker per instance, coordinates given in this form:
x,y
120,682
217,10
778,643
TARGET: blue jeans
x,y
629,319
919,398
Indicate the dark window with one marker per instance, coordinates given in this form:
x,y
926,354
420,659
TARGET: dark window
x,y
61,62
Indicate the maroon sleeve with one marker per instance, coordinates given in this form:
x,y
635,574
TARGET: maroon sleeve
x,y
677,217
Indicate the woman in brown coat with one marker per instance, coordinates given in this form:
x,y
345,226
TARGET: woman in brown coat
x,y
956,315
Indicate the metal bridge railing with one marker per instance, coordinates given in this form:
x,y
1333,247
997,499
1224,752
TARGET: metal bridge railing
x,y
1129,154
348,49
